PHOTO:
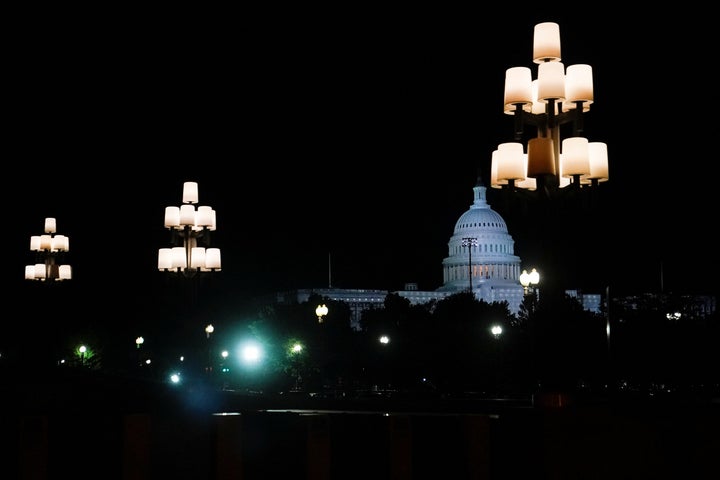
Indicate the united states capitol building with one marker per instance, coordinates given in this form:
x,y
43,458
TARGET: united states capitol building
x,y
481,257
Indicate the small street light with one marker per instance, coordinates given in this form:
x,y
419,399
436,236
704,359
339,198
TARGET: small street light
x,y
82,350
321,311
208,330
296,349
224,354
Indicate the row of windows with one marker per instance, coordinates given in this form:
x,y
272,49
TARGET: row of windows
x,y
482,224
485,248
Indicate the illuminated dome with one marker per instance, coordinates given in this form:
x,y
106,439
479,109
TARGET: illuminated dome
x,y
480,219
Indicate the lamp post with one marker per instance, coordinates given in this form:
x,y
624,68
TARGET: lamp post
x,y
191,256
190,227
470,242
557,97
296,350
208,330
49,247
529,281
82,350
138,342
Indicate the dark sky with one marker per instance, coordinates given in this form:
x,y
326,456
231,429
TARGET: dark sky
x,y
344,140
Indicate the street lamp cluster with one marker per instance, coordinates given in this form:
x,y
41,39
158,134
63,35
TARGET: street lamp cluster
x,y
528,279
48,248
189,227
530,282
557,96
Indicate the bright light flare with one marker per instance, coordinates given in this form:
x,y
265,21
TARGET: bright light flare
x,y
251,353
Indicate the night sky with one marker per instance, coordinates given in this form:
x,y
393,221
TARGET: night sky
x,y
341,149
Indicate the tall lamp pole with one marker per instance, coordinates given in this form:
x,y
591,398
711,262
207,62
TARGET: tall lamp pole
x,y
529,281
470,242
208,330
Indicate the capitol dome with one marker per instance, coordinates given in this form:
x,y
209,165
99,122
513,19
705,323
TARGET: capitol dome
x,y
480,216
481,255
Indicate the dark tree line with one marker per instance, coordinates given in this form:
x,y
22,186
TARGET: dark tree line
x,y
445,346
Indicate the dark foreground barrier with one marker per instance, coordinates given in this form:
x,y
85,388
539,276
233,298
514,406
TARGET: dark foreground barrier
x,y
109,429
259,445
577,443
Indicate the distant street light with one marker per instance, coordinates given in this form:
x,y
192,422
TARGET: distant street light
x,y
208,330
496,330
295,358
82,350
321,311
139,341
223,368
251,354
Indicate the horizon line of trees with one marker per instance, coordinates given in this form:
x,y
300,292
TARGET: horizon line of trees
x,y
442,346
